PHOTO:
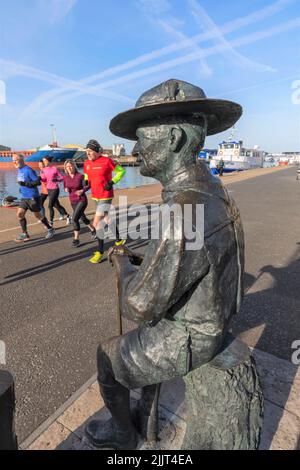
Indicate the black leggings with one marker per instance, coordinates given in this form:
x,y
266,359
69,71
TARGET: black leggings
x,y
54,202
78,214
43,199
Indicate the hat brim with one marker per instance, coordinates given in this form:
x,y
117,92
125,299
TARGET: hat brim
x,y
221,114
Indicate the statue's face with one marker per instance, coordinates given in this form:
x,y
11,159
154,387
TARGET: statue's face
x,y
153,148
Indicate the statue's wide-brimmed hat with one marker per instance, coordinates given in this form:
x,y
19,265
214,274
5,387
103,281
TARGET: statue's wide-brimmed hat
x,y
175,97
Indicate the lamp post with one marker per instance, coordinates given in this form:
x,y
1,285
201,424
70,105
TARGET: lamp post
x,y
54,140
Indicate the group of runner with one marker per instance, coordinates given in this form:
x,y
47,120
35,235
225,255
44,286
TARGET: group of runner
x,y
98,178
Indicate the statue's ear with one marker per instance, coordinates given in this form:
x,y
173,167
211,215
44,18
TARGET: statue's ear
x,y
176,138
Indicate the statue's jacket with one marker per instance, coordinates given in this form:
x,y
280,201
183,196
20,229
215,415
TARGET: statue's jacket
x,y
183,298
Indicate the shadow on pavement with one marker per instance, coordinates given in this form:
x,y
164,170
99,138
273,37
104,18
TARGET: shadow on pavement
x,y
36,240
39,240
69,258
276,311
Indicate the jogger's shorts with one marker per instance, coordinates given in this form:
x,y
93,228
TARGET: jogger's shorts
x,y
103,206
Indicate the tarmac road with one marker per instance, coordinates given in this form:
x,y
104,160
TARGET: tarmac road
x,y
270,315
56,307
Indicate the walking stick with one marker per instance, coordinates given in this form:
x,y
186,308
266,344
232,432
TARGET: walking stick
x,y
153,420
152,425
119,315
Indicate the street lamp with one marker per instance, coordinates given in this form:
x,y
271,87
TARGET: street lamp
x,y
54,141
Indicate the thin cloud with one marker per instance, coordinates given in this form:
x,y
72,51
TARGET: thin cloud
x,y
172,27
157,7
203,66
2,92
41,100
176,22
256,85
154,10
243,41
12,68
56,10
203,20
261,14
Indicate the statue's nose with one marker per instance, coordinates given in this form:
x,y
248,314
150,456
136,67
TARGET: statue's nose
x,y
135,150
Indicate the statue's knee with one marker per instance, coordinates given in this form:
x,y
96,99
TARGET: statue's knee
x,y
108,347
104,366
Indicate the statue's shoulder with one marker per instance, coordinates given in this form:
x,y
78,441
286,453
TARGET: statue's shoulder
x,y
189,196
208,196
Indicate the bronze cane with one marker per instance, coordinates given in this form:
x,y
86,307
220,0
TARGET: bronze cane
x,y
151,431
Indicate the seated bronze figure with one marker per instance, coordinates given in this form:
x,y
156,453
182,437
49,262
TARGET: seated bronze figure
x,y
182,299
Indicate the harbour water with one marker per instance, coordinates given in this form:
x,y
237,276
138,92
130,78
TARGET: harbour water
x,y
132,179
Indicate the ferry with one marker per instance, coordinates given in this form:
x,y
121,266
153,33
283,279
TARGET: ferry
x,y
32,157
236,157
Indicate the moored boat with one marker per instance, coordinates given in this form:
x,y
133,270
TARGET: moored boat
x,y
236,157
32,157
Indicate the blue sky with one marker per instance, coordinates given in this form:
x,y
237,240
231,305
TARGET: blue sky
x,y
77,63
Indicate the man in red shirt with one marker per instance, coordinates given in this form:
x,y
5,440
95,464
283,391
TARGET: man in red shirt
x,y
98,171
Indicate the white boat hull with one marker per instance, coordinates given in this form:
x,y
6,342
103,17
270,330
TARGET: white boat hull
x,y
238,164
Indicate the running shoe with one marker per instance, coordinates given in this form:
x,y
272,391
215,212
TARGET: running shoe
x,y
51,223
69,220
50,233
120,243
75,243
96,258
61,217
23,237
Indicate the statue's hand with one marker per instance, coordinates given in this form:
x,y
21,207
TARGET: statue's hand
x,y
115,251
119,251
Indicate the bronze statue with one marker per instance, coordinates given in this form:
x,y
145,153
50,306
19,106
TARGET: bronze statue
x,y
183,300
8,438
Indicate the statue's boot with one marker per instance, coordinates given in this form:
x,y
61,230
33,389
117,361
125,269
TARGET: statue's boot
x,y
118,432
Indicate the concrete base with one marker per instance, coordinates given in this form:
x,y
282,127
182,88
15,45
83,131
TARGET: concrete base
x,y
280,381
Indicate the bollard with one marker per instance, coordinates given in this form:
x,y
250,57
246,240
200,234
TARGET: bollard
x,y
8,439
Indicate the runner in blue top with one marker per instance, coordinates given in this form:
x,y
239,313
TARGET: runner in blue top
x,y
27,175
30,198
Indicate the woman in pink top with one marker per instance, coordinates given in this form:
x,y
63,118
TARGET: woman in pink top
x,y
51,176
44,190
74,185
